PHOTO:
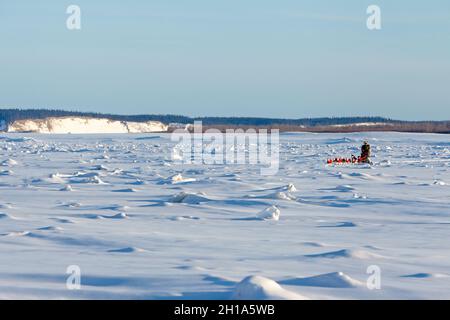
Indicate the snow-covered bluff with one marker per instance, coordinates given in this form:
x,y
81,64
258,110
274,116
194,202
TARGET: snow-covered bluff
x,y
84,125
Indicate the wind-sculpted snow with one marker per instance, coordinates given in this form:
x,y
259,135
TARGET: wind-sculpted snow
x,y
140,225
260,288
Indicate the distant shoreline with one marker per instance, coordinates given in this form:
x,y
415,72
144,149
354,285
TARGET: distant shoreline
x,y
320,125
407,127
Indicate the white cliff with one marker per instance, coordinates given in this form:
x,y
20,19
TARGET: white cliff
x,y
84,125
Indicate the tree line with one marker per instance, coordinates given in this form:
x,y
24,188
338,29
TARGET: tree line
x,y
11,115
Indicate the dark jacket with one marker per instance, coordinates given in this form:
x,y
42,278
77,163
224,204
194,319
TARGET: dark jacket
x,y
365,151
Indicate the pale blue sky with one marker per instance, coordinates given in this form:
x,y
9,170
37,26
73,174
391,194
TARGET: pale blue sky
x,y
278,58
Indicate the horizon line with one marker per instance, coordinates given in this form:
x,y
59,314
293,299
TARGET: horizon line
x,y
217,116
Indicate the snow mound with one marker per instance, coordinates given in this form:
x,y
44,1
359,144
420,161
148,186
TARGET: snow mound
x,y
424,275
121,215
178,178
345,253
260,288
138,182
359,175
55,178
9,163
50,228
117,207
126,250
340,141
126,190
63,220
328,280
72,205
189,198
6,216
289,188
279,195
96,180
313,244
100,167
364,176
83,174
184,218
175,179
16,234
385,163
344,188
84,177
282,196
67,188
6,173
270,213
344,224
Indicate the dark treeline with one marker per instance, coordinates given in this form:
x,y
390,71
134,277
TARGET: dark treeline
x,y
307,122
11,115
417,127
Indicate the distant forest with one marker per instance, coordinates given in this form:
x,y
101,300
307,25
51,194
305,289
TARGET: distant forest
x,y
331,124
11,115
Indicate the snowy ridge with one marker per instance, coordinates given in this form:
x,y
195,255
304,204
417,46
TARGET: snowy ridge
x,y
81,125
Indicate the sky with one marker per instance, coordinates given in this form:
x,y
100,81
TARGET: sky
x,y
260,58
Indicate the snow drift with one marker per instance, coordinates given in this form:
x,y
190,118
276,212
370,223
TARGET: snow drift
x,y
260,288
